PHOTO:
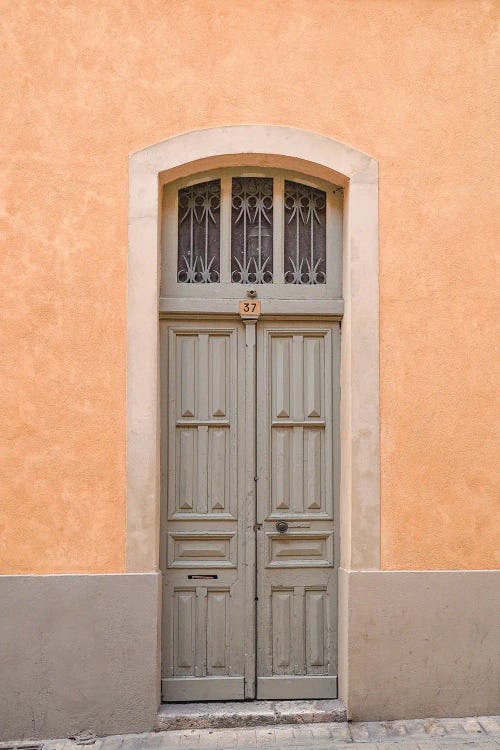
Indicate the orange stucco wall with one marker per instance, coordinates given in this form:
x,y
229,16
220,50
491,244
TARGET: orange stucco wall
x,y
87,82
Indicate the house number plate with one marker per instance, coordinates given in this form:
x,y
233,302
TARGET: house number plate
x,y
249,308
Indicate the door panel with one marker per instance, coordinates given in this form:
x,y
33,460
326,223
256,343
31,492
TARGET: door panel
x,y
202,553
297,389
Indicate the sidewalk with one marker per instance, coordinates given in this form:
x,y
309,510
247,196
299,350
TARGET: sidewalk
x,y
426,734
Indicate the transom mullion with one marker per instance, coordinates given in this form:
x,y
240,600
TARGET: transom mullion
x,y
225,229
278,234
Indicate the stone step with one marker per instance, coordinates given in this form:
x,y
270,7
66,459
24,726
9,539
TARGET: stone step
x,y
228,714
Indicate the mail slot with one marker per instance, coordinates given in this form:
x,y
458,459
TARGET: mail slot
x,y
198,578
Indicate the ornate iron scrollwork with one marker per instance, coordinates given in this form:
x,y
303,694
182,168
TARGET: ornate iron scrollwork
x,y
252,230
198,259
305,234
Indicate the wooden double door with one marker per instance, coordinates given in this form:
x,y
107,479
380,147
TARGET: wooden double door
x,y
249,475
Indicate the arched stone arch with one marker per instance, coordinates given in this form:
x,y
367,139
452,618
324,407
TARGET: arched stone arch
x,y
271,146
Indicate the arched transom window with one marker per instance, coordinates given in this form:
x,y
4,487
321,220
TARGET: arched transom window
x,y
251,226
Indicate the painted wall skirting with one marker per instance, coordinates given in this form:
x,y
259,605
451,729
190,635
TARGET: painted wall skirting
x,y
420,643
78,652
82,651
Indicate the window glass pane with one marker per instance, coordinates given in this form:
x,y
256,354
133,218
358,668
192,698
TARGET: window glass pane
x,y
198,260
252,230
305,234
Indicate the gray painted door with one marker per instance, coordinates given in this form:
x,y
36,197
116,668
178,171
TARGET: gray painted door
x,y
297,398
248,442
203,520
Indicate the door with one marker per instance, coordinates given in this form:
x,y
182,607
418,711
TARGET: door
x,y
249,446
297,394
203,524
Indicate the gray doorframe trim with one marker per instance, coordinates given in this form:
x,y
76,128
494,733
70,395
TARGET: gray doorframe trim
x,y
288,148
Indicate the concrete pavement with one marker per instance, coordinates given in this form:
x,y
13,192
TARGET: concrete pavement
x,y
469,733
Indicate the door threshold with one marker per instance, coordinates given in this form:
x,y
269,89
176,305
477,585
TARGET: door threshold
x,y
227,714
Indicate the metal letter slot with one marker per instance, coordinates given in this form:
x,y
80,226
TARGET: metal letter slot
x,y
197,578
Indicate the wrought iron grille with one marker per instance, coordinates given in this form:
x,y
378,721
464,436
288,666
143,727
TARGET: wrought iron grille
x,y
198,260
252,230
305,234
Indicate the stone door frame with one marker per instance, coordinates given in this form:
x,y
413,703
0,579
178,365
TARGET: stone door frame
x,y
300,151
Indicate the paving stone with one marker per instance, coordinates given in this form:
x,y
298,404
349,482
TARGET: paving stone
x,y
340,732
265,735
359,732
190,741
302,733
224,738
208,737
321,732
284,734
471,725
376,730
148,742
452,726
469,745
131,742
415,727
247,738
395,729
170,741
112,743
462,726
490,724
434,728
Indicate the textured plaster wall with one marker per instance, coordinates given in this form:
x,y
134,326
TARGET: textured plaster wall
x,y
87,82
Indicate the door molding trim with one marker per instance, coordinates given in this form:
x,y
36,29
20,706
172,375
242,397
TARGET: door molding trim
x,y
289,148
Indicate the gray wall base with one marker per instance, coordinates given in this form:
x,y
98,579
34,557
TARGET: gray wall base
x,y
81,652
78,652
418,644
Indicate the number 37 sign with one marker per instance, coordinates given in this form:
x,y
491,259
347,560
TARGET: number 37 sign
x,y
249,308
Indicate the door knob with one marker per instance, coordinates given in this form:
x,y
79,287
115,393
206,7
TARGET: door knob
x,y
281,527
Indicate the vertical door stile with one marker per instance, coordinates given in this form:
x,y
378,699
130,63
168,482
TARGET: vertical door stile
x,y
250,500
299,630
201,629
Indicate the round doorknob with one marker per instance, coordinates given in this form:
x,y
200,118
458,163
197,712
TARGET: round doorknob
x,y
282,527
